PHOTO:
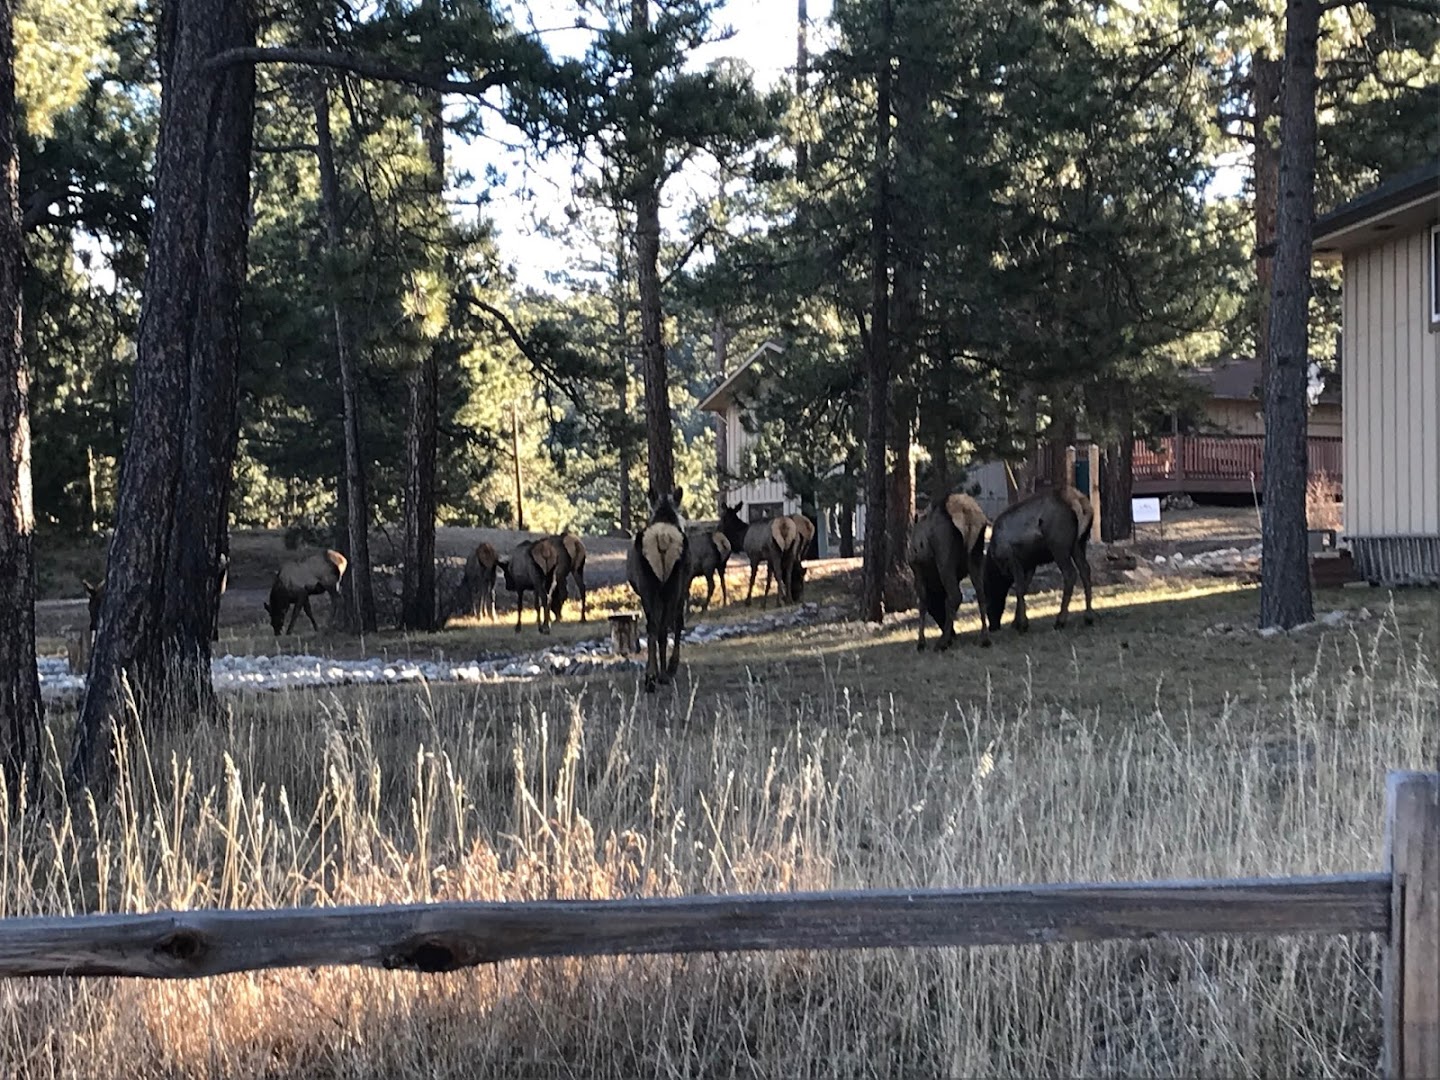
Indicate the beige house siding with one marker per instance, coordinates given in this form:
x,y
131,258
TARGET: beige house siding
x,y
1391,371
1231,417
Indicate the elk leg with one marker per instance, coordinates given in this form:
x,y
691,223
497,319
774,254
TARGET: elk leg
x,y
724,596
294,614
580,584
674,664
709,588
309,614
1082,563
920,622
542,610
651,667
977,579
662,644
1022,586
952,605
1067,575
754,569
519,608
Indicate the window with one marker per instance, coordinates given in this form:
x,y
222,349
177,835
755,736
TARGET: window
x,y
1435,277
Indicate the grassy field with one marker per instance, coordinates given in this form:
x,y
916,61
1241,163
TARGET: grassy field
x,y
828,757
1168,740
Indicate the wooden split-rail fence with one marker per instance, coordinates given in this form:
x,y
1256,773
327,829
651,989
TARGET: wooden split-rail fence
x,y
1402,903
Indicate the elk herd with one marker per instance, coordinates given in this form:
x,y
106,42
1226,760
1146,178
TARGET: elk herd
x,y
947,544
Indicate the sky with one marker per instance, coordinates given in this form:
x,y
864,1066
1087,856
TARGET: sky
x,y
764,38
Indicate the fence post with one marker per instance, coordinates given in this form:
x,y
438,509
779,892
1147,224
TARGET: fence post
x,y
1411,1045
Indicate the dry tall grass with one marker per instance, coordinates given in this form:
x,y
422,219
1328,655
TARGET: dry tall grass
x,y
376,797
1324,508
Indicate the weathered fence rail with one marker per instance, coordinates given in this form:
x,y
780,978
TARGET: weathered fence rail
x,y
1403,902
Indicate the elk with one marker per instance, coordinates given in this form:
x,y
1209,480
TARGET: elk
x,y
806,532
773,541
1049,526
475,595
947,543
576,550
709,552
95,597
538,566
658,568
297,581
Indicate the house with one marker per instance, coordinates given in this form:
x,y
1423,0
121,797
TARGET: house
x,y
1387,242
768,496
1224,453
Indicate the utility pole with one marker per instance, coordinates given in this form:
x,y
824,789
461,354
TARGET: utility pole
x,y
515,453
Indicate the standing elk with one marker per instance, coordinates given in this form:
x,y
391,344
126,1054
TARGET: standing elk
x,y
538,566
709,552
95,597
475,594
947,543
297,581
773,541
1049,526
576,551
658,568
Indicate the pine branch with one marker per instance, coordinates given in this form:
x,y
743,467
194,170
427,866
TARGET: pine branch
x,y
368,67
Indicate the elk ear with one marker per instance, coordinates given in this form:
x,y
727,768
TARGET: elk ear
x,y
679,491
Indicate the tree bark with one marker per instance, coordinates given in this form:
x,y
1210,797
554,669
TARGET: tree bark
x,y
359,593
1266,73
21,711
802,77
1117,485
1285,598
161,594
417,589
658,427
720,340
877,390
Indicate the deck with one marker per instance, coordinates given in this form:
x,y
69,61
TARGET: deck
x,y
1221,464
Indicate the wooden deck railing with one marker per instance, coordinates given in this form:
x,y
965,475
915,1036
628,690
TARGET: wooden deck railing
x,y
1229,459
1403,902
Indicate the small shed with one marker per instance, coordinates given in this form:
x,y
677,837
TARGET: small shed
x,y
1388,244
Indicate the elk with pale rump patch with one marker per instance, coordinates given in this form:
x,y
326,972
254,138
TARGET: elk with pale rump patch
x,y
946,544
538,566
297,581
658,568
1049,526
709,552
773,541
576,551
805,529
475,595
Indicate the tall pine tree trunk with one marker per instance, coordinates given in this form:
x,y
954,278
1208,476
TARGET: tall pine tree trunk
x,y
359,593
1285,598
1266,73
21,712
417,589
658,428
160,596
720,340
877,390
1117,485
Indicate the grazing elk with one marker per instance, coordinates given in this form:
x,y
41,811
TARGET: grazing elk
x,y
658,569
773,541
946,544
475,595
95,597
709,552
576,550
806,531
297,581
538,566
1049,526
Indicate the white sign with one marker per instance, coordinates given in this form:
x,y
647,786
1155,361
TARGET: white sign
x,y
1145,511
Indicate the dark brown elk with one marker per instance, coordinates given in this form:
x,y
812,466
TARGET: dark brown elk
x,y
95,597
1048,527
576,550
297,581
772,541
538,566
709,552
475,594
806,530
658,569
946,544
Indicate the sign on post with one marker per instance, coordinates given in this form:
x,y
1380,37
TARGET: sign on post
x,y
1145,511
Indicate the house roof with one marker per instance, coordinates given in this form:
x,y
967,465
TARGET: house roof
x,y
1238,379
739,380
1409,200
